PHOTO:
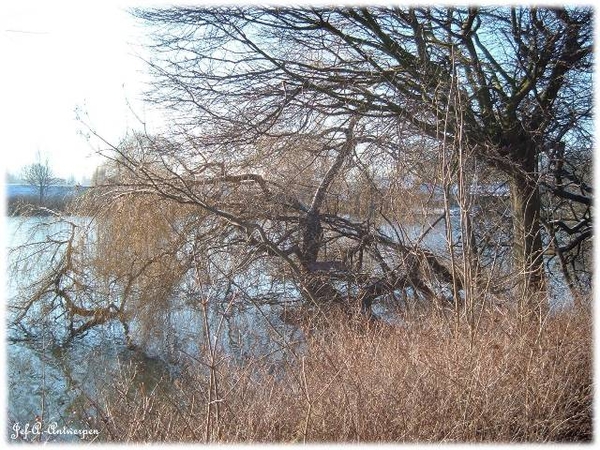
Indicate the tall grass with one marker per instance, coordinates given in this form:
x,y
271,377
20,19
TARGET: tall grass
x,y
422,382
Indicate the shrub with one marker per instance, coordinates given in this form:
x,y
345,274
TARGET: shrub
x,y
511,382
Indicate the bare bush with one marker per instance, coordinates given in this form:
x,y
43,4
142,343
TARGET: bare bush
x,y
418,383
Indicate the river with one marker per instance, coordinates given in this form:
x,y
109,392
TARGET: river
x,y
57,382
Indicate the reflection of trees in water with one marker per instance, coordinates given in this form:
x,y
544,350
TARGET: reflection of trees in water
x,y
253,314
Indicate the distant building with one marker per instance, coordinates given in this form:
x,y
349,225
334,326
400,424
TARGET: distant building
x,y
57,192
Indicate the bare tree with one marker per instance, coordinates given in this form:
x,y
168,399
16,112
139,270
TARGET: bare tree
x,y
39,175
285,117
521,81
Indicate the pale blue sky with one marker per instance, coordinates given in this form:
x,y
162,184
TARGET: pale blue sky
x,y
58,56
61,55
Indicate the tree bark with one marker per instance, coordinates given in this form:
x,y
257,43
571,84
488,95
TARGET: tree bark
x,y
527,245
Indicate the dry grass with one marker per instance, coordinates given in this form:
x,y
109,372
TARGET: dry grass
x,y
419,383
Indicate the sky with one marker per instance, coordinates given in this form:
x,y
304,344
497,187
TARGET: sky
x,y
60,57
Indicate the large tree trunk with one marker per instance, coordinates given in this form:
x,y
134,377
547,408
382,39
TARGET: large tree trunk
x,y
527,245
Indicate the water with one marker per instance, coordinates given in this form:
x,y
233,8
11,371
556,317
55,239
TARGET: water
x,y
57,382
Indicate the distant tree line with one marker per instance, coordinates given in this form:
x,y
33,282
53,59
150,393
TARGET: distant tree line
x,y
45,189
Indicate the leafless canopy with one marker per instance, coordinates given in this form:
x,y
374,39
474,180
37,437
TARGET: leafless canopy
x,y
39,175
511,83
305,140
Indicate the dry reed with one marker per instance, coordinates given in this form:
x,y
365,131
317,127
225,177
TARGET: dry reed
x,y
512,382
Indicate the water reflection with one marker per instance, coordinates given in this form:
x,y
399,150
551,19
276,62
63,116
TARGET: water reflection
x,y
60,383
